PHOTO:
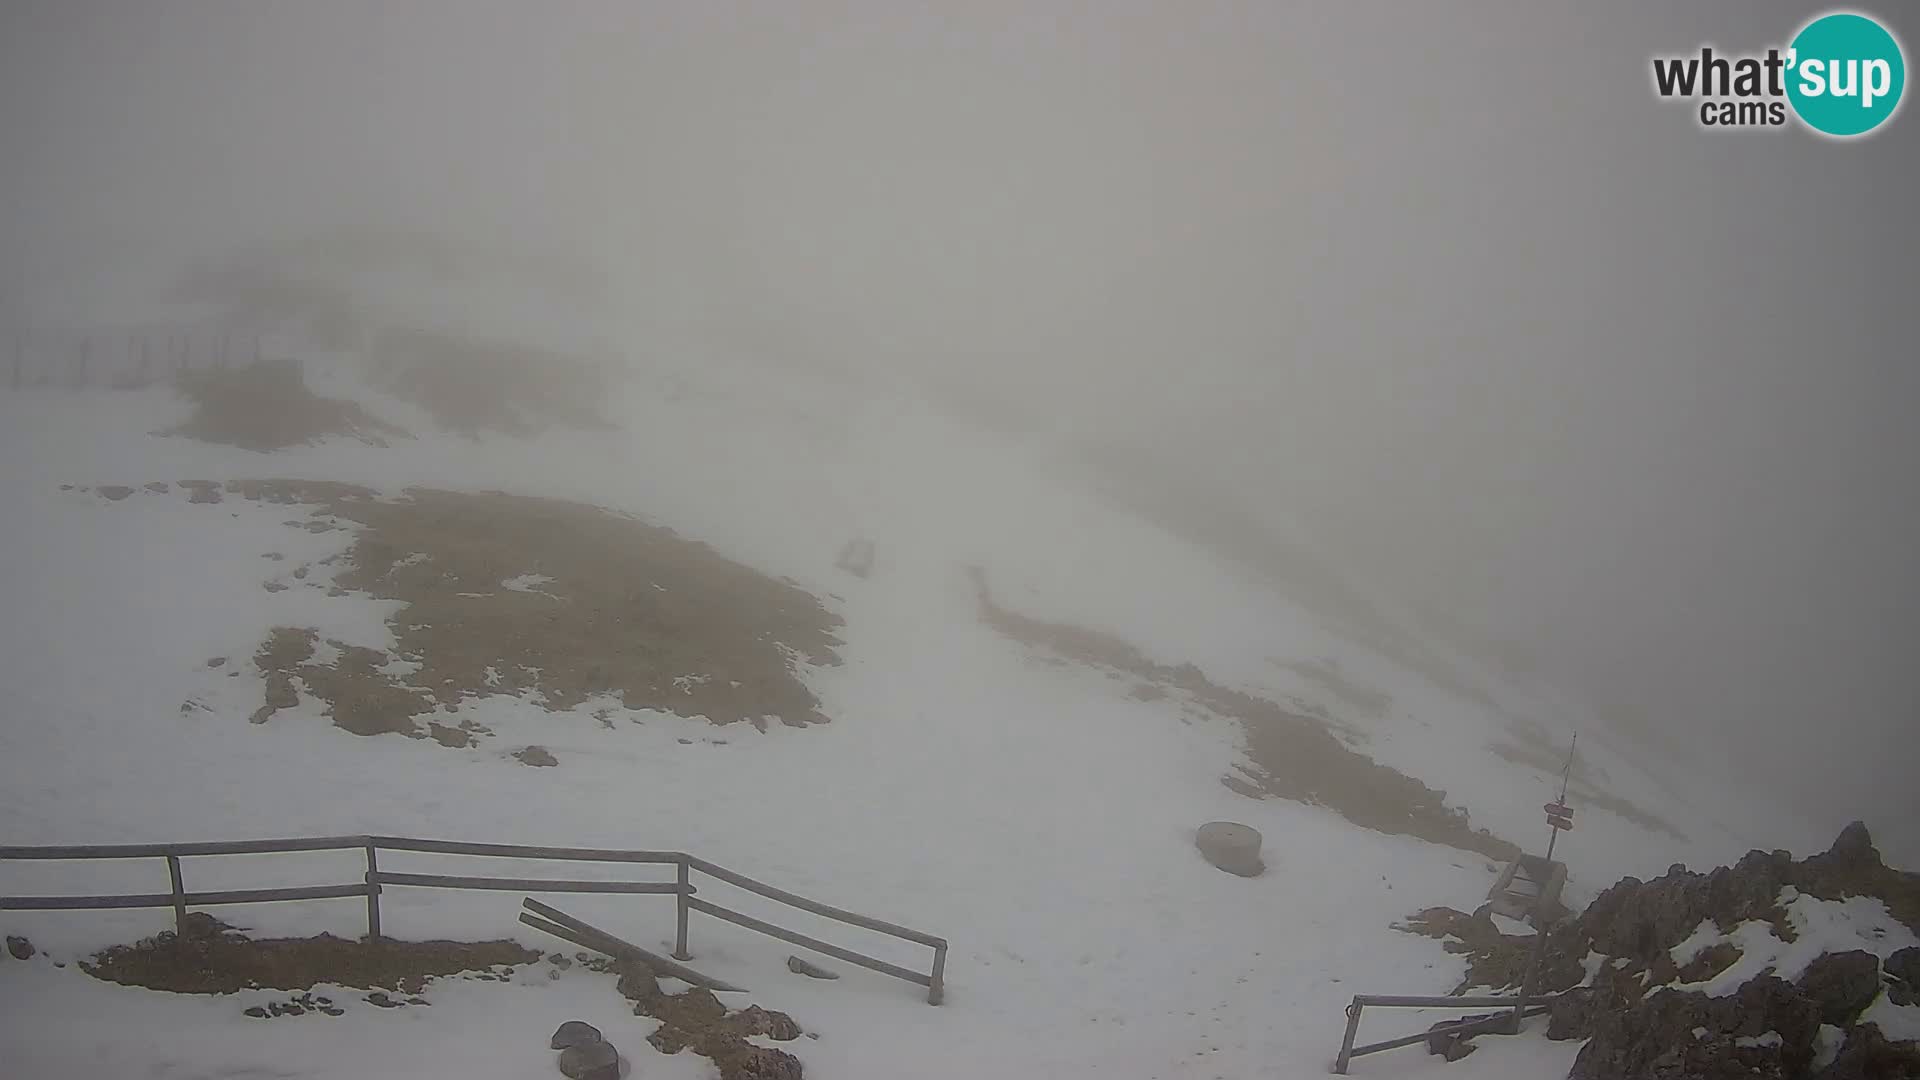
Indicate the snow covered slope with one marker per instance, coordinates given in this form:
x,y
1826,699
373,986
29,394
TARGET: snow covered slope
x,y
1038,815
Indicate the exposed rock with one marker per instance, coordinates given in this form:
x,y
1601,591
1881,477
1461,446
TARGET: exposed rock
x,y
115,492
597,1060
1842,984
1572,1014
1766,1029
536,755
158,487
257,1013
1904,967
1867,1055
19,948
574,1033
810,970
762,1063
560,960
777,1026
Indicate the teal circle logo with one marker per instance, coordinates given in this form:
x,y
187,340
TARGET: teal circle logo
x,y
1845,74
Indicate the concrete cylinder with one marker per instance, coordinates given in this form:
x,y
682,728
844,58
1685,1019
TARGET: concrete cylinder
x,y
1231,846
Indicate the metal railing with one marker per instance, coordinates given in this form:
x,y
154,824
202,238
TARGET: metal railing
x,y
1522,1007
375,880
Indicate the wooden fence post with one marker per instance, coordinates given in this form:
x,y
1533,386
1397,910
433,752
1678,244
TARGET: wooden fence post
x,y
680,940
179,896
938,988
373,897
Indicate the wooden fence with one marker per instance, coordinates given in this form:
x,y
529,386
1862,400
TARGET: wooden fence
x,y
126,358
375,880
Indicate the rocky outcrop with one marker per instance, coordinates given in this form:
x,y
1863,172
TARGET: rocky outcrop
x,y
1619,985
1868,1055
1842,985
1766,1029
1903,976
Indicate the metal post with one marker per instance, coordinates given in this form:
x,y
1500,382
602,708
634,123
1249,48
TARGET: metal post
x,y
1346,1042
680,941
80,370
373,897
937,989
1531,982
19,356
179,896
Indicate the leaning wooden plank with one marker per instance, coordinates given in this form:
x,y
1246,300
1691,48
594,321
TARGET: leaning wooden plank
x,y
585,941
810,970
660,964
815,944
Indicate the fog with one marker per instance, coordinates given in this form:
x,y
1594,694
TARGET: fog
x,y
1445,291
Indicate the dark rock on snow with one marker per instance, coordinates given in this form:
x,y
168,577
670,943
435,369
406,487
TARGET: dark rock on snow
x,y
1842,984
19,948
597,1060
574,1033
1904,968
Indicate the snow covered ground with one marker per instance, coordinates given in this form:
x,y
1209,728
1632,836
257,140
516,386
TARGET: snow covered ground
x,y
1037,816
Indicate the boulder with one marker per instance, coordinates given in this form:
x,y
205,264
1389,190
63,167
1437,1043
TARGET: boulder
x,y
597,1060
538,756
1231,846
1842,984
574,1033
19,948
1904,967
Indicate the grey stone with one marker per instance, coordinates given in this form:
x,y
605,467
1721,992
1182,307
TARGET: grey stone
x,y
590,1061
19,948
574,1033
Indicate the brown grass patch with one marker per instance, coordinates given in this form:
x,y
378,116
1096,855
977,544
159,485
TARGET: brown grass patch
x,y
1291,756
605,604
696,1020
270,408
214,959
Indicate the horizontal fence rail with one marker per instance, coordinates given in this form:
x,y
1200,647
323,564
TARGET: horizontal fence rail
x,y
376,880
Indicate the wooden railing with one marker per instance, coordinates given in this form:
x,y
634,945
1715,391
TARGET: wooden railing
x,y
375,880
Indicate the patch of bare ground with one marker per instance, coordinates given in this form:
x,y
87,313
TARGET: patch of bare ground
x,y
1290,756
1585,787
696,1020
268,407
470,386
541,598
213,958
